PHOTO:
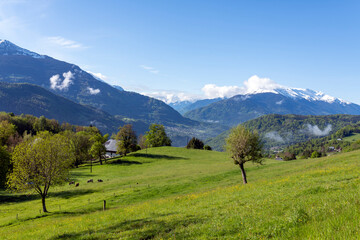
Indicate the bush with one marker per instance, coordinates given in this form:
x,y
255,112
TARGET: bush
x,y
315,154
207,147
289,156
195,144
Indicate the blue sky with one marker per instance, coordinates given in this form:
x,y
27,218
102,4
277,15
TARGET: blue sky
x,y
177,47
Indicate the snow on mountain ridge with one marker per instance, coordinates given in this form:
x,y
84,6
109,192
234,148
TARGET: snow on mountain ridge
x,y
8,48
300,93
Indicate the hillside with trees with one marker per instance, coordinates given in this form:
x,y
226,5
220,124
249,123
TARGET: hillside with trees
x,y
25,98
283,130
344,140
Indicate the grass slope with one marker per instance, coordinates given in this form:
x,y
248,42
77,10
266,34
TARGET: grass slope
x,y
174,193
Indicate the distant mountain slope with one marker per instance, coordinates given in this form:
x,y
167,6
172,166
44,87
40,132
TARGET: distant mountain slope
x,y
68,80
283,130
31,99
242,108
185,106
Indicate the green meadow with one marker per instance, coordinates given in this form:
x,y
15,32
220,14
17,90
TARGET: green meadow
x,y
354,137
176,193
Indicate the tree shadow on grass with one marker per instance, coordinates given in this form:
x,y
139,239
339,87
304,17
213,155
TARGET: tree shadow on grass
x,y
71,193
125,162
17,198
145,228
44,215
157,156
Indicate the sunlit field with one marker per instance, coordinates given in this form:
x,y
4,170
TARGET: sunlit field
x,y
176,193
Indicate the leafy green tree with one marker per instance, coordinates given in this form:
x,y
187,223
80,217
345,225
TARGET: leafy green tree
x,y
4,165
142,141
195,143
315,154
156,136
244,146
207,147
6,130
289,156
82,145
127,140
40,163
98,149
40,124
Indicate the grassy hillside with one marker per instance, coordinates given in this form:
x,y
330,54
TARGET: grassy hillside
x,y
174,193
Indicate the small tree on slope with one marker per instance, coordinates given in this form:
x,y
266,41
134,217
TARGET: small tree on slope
x,y
41,162
244,146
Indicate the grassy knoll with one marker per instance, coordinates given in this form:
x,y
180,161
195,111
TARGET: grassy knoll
x,y
354,137
174,193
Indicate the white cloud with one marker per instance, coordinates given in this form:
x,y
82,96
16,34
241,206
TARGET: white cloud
x,y
274,136
57,83
98,75
257,84
316,131
172,96
213,91
254,84
93,91
65,43
150,69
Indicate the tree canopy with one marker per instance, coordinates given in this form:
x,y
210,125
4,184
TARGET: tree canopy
x,y
195,143
127,141
244,146
41,162
98,149
4,165
156,136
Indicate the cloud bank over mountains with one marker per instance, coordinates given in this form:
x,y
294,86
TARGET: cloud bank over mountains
x,y
254,84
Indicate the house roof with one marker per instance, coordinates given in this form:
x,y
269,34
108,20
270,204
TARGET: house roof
x,y
111,145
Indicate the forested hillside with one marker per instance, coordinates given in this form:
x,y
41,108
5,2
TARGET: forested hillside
x,y
283,130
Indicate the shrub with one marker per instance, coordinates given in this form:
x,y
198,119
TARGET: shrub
x,y
207,147
195,144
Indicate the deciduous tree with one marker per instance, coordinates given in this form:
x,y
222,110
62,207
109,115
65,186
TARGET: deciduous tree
x,y
195,143
244,146
127,141
40,163
98,149
156,136
4,165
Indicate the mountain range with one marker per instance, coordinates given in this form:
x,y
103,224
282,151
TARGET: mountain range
x,y
18,65
41,85
88,98
244,107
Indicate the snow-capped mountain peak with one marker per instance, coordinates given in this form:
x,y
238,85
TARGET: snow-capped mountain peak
x,y
8,48
307,94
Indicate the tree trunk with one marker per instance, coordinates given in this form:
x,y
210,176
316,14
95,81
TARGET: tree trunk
x,y
100,159
243,172
43,204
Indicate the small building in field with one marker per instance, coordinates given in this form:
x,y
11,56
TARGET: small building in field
x,y
111,148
